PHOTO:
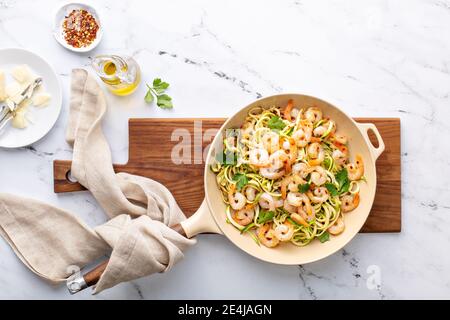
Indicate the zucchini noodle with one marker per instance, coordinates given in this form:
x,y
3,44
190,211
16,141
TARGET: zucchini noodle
x,y
289,178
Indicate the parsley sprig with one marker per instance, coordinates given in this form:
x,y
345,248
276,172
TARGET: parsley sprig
x,y
303,188
343,183
241,180
276,123
265,216
324,237
157,90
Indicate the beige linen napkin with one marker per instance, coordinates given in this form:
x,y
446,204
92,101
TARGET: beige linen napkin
x,y
49,240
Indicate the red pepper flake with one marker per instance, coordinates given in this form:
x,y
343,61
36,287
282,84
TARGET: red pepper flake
x,y
80,28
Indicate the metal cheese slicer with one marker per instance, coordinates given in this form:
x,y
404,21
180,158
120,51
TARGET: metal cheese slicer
x,y
11,105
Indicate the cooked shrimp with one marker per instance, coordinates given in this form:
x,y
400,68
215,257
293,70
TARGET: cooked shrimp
x,y
278,159
259,157
296,199
294,113
296,180
299,219
271,141
302,136
266,236
300,169
339,157
291,183
308,215
318,195
284,184
279,203
313,114
303,203
250,193
318,175
266,201
290,148
340,138
356,170
319,131
341,147
349,202
244,216
289,208
236,199
288,109
316,154
285,231
271,174
337,228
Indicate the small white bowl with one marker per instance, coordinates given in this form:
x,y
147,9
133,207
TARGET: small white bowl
x,y
65,11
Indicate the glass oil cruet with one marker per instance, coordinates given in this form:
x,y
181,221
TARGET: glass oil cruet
x,y
121,74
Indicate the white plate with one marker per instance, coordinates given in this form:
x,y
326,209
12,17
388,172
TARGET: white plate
x,y
43,118
65,11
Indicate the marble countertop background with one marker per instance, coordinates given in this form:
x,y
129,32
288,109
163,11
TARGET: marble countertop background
x,y
371,58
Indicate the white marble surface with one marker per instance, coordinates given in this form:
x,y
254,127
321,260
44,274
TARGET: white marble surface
x,y
372,58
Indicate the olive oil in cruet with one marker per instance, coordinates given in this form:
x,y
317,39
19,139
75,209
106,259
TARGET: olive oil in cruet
x,y
121,74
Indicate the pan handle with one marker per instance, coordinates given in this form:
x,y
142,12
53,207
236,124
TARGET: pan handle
x,y
364,128
200,222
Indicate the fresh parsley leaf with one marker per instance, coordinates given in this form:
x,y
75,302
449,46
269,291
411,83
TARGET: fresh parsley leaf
x,y
327,162
164,101
324,237
265,216
341,176
156,82
163,85
345,187
308,177
343,181
302,188
332,189
157,90
159,86
290,131
275,123
241,180
149,96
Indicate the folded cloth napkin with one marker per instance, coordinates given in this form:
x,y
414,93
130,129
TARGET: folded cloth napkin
x,y
49,240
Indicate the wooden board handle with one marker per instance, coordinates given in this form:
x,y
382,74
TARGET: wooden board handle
x,y
61,176
63,182
93,276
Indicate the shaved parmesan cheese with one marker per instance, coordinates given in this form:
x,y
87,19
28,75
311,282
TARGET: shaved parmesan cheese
x,y
13,89
41,100
2,86
22,73
19,121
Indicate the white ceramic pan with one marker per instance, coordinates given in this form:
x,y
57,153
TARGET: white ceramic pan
x,y
211,216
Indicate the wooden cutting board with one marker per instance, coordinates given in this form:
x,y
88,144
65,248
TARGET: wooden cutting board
x,y
151,145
